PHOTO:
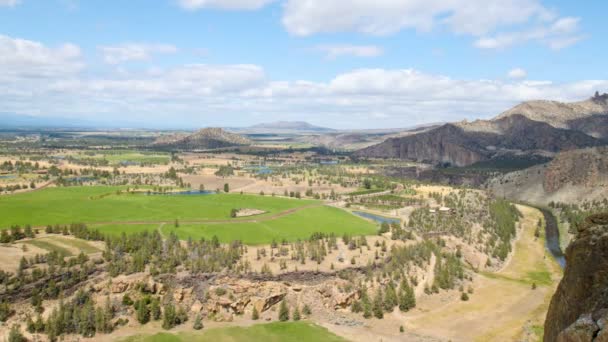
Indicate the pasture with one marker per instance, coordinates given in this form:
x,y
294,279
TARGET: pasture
x,y
111,212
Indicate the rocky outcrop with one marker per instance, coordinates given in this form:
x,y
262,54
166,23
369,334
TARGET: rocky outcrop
x,y
207,138
586,167
579,309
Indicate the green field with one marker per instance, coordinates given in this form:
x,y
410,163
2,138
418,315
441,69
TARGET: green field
x,y
272,332
299,225
112,213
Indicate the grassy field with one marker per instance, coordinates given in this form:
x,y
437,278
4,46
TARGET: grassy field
x,y
272,332
299,225
101,204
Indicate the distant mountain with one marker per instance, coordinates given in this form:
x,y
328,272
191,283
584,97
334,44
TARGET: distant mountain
x,y
300,126
206,138
532,127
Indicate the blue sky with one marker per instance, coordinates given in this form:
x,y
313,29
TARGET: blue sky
x,y
343,64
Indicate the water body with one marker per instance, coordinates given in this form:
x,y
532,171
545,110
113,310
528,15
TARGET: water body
x,y
80,179
552,237
183,193
260,170
377,218
7,176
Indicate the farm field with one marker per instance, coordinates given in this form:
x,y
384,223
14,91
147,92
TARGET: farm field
x,y
272,332
299,225
103,204
198,215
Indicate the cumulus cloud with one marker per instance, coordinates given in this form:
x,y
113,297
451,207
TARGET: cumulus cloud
x,y
476,17
25,58
559,34
133,52
223,4
335,51
517,73
236,95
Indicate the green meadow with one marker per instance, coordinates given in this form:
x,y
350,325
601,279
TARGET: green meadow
x,y
112,213
272,332
299,225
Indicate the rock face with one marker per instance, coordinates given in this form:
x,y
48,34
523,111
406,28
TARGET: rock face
x,y
579,308
467,143
587,167
207,138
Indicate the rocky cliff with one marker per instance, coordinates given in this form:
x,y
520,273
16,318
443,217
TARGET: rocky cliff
x,y
586,167
467,143
579,309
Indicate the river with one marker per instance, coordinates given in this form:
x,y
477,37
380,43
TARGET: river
x,y
552,237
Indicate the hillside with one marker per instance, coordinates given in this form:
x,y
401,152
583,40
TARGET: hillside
x,y
532,127
206,138
571,177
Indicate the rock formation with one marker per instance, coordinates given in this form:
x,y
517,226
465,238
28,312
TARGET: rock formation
x,y
579,308
207,138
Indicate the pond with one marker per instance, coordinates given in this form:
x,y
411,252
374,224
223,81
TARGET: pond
x,y
184,193
377,218
260,170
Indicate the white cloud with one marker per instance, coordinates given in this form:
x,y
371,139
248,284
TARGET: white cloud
x,y
223,4
335,51
557,35
134,52
518,73
25,58
475,17
236,95
9,3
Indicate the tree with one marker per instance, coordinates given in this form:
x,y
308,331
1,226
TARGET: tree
x,y
306,310
464,297
390,299
296,314
169,316
143,312
155,309
255,315
226,187
198,322
15,334
283,311
367,183
377,308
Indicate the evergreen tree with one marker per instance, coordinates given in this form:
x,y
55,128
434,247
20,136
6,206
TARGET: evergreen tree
x,y
377,307
169,316
255,315
155,309
198,322
296,314
283,311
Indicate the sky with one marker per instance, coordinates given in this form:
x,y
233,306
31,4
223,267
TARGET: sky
x,y
347,64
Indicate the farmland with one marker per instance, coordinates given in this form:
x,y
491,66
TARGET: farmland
x,y
114,210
